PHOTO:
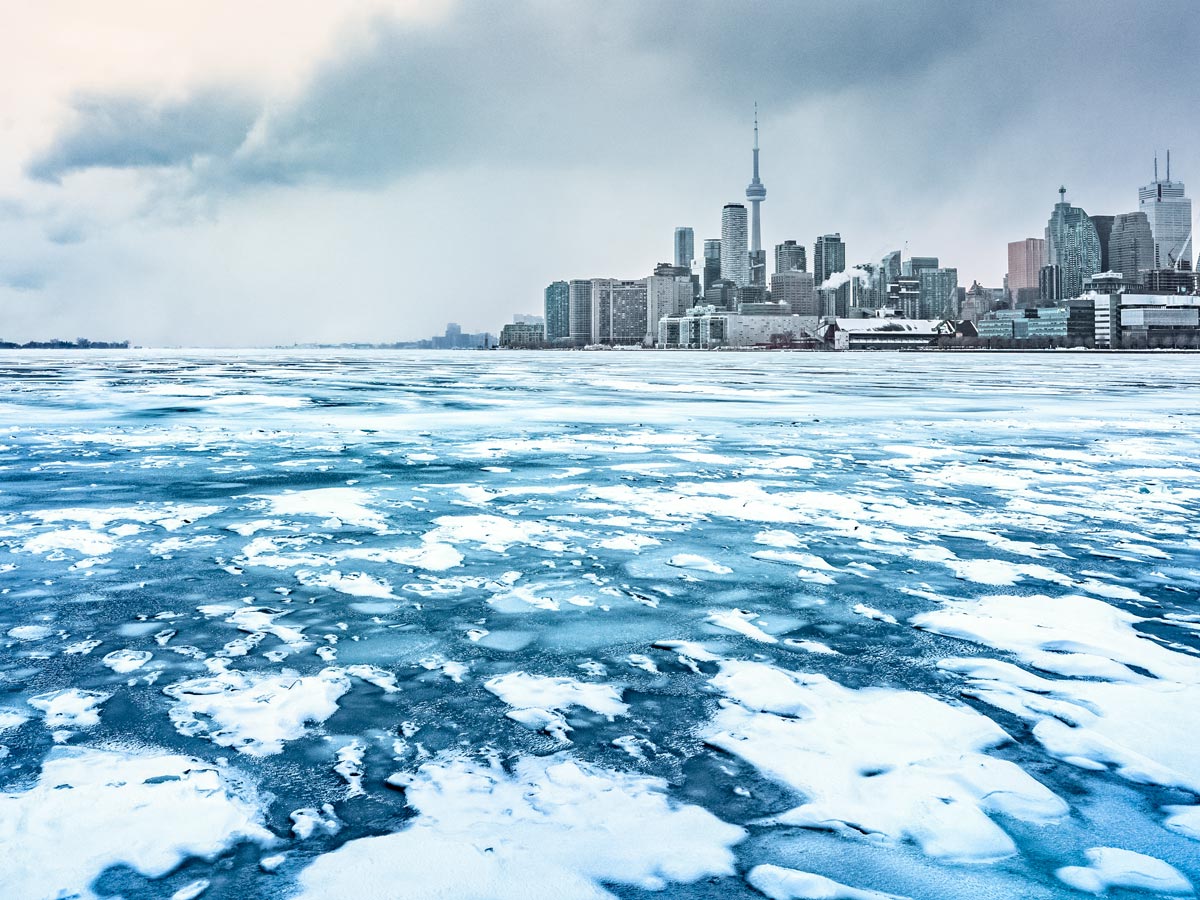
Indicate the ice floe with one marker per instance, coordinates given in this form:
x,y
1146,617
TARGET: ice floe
x,y
70,707
91,809
253,712
1110,867
548,827
538,701
337,507
892,764
780,883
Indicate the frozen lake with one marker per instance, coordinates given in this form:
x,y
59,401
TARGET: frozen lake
x,y
553,625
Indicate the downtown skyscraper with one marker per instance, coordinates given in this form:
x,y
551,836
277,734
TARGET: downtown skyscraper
x,y
685,247
735,254
1072,247
1170,214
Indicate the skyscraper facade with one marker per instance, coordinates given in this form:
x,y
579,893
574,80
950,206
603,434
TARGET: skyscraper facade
x,y
938,298
558,312
789,255
735,254
712,261
1072,244
829,256
1131,247
914,264
889,270
579,305
1170,214
685,247
1104,227
1025,261
797,289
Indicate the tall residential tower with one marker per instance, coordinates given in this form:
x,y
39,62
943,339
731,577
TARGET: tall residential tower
x,y
735,260
685,247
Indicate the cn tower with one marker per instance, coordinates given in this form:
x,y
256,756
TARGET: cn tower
x,y
756,194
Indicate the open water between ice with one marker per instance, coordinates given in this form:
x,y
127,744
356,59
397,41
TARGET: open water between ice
x,y
505,625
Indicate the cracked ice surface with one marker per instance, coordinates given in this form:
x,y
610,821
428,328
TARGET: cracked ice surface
x,y
591,625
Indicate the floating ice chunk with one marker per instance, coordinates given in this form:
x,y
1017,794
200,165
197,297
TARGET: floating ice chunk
x,y
30,633
779,883
811,646
355,584
774,538
1113,591
81,648
1001,572
522,598
699,563
1184,819
898,764
191,891
690,649
168,516
633,542
539,700
1112,867
172,545
381,678
635,746
805,560
11,718
455,671
741,621
261,620
641,661
1145,727
71,707
554,826
350,767
497,533
124,661
79,540
1049,632
254,712
871,612
432,556
92,809
270,552
337,506
308,821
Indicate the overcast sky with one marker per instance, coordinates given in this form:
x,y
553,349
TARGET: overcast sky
x,y
232,173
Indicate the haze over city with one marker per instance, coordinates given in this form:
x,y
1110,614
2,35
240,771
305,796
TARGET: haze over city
x,y
220,175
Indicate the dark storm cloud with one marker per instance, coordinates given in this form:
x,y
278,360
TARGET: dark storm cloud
x,y
526,82
127,131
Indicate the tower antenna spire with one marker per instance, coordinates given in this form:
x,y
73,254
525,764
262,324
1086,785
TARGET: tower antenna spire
x,y
1168,164
1156,165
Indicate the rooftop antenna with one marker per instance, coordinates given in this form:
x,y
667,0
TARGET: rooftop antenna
x,y
1168,164
1156,165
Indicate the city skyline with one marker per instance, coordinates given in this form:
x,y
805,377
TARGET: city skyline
x,y
177,185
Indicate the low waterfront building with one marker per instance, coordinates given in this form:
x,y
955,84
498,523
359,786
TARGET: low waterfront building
x,y
880,333
1068,324
522,335
1146,321
708,328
